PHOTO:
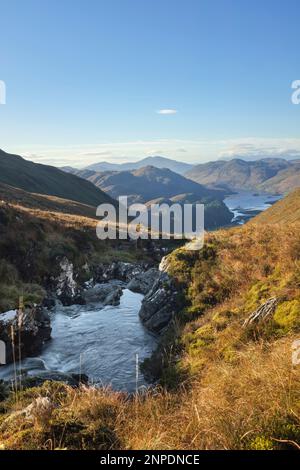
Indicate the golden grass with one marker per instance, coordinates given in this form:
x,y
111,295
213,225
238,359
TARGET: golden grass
x,y
285,211
241,390
251,404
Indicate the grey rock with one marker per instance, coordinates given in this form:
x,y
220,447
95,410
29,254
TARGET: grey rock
x,y
114,297
35,330
67,289
144,281
263,312
160,304
119,270
108,294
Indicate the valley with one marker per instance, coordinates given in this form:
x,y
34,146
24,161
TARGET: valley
x,y
100,321
149,232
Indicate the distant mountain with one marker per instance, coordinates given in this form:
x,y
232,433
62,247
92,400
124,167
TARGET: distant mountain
x,y
251,158
68,169
161,185
146,183
43,179
158,162
271,175
284,181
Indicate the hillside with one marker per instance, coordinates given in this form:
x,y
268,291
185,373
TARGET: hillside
x,y
41,202
44,179
272,175
284,181
158,162
285,211
37,232
145,183
226,382
150,183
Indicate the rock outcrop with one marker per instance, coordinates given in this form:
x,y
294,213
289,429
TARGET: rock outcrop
x,y
262,313
160,304
34,327
119,271
67,289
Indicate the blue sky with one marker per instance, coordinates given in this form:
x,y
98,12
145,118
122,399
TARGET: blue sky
x,y
85,79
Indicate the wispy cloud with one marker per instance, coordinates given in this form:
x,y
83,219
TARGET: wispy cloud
x,y
167,111
97,154
255,151
190,151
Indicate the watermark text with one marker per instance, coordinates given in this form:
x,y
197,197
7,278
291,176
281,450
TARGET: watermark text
x,y
155,221
2,92
296,94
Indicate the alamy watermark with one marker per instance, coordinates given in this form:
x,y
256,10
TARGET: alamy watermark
x,y
2,92
157,221
296,94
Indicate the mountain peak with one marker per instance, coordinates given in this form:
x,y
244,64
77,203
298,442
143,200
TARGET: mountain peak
x,y
155,161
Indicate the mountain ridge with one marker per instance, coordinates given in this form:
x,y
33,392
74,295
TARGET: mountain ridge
x,y
146,183
274,175
150,183
156,161
48,180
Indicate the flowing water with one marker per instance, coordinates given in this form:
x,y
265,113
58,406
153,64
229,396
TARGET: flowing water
x,y
246,205
102,343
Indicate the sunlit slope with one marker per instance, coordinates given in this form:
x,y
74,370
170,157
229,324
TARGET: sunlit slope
x,y
285,211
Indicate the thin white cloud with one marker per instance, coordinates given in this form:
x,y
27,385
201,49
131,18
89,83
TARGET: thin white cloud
x,y
167,111
196,151
248,151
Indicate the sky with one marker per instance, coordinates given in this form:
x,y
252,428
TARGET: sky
x,y
119,80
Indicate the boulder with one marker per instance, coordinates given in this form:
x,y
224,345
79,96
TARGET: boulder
x,y
67,289
114,297
35,329
143,282
107,293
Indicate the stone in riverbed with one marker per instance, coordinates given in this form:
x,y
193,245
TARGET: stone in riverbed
x,y
143,282
35,330
114,297
108,294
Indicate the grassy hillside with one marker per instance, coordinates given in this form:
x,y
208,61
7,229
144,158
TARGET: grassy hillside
x,y
40,202
225,385
284,181
44,179
36,231
285,211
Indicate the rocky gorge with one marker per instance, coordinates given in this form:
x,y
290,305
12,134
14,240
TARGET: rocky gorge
x,y
104,288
